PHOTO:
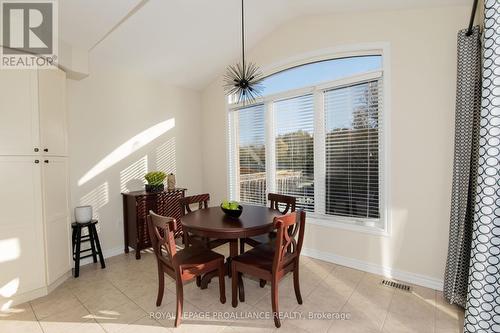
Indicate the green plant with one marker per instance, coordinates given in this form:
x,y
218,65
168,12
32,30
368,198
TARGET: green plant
x,y
155,177
231,205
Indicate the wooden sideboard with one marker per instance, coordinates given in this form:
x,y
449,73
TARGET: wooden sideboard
x,y
136,206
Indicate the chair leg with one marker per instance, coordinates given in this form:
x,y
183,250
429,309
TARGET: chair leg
x,y
274,302
234,285
92,243
77,251
98,245
180,300
161,286
222,283
242,246
296,283
241,287
262,283
73,239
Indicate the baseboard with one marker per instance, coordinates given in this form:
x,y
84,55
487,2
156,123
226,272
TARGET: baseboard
x,y
44,291
389,272
37,293
58,282
16,299
106,253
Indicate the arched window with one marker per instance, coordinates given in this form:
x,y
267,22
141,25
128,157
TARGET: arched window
x,y
317,135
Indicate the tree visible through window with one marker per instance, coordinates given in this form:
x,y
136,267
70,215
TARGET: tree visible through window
x,y
252,155
352,144
294,125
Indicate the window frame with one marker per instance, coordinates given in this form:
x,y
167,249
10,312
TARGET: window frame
x,y
319,217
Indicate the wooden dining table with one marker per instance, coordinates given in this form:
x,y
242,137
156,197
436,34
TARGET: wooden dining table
x,y
213,223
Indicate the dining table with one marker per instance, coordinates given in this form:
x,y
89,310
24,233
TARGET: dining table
x,y
213,223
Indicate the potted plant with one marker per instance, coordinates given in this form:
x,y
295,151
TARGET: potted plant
x,y
155,181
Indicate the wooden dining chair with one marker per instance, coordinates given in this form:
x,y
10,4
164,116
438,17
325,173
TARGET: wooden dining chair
x,y
201,200
282,203
183,265
272,263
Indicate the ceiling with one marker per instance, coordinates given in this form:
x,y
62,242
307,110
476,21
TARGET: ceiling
x,y
189,42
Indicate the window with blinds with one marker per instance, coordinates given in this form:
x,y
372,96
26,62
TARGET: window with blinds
x,y
321,143
352,150
250,153
294,149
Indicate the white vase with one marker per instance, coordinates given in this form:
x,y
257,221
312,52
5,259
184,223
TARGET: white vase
x,y
171,182
83,214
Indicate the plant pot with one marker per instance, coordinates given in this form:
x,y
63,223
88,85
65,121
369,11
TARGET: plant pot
x,y
83,214
154,188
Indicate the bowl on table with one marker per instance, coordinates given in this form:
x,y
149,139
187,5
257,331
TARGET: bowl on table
x,y
234,213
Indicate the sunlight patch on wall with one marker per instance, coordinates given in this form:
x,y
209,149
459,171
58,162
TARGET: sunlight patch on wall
x,y
165,156
97,198
127,148
132,177
9,249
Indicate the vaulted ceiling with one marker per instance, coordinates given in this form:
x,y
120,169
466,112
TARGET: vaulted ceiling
x,y
189,42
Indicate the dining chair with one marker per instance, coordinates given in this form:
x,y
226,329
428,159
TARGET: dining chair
x,y
201,200
279,202
183,265
283,204
272,263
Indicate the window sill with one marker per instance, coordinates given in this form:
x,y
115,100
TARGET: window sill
x,y
346,224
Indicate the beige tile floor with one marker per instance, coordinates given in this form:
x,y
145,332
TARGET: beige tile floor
x,y
121,298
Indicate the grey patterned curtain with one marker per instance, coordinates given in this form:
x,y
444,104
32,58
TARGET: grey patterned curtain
x,y
482,312
467,115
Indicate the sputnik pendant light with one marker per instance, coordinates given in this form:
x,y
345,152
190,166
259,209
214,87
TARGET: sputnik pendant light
x,y
243,80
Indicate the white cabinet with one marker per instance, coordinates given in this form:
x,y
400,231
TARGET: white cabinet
x,y
18,112
55,211
34,188
22,261
52,106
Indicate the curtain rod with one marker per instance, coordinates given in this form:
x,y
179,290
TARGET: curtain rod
x,y
472,16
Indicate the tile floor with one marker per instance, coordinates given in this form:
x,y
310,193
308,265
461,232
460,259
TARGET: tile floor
x,y
121,299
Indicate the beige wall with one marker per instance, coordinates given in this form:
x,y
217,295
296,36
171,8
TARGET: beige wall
x,y
106,111
423,71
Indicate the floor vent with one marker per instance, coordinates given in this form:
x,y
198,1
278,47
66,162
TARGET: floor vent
x,y
396,285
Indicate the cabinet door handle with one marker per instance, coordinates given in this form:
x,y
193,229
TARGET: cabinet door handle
x,y
46,150
37,161
36,150
46,161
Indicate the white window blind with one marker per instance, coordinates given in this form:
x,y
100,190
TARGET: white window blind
x,y
248,155
294,149
352,148
322,144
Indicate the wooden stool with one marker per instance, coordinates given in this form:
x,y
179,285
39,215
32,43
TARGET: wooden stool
x,y
78,239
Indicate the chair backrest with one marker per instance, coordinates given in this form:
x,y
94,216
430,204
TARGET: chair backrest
x,y
161,232
284,200
200,199
289,238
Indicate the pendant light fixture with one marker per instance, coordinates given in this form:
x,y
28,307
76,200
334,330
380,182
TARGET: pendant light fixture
x,y
243,80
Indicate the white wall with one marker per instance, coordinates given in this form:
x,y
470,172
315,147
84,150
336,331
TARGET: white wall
x,y
423,67
107,110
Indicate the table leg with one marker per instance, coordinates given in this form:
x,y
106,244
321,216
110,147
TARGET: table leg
x,y
233,252
125,225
